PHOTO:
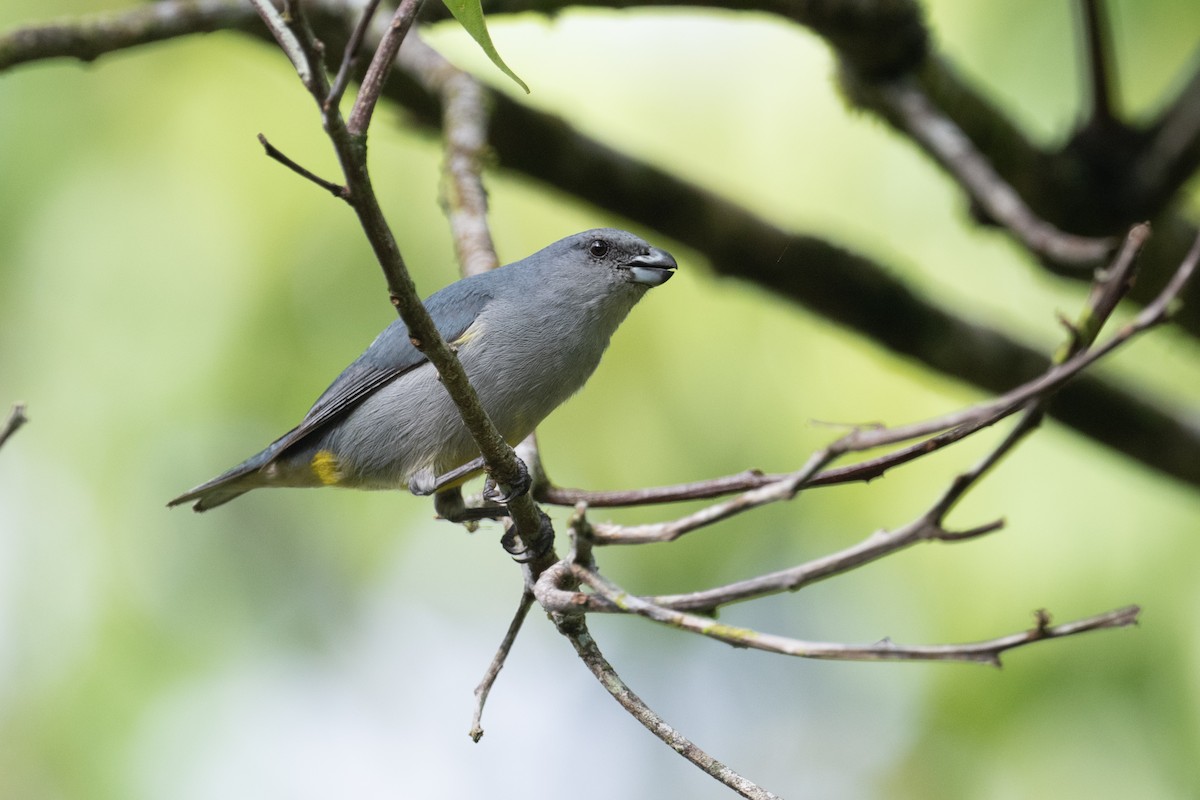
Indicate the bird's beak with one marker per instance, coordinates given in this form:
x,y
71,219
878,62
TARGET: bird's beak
x,y
652,269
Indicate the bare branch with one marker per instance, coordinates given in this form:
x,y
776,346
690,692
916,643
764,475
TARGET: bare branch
x,y
90,37
984,652
493,670
874,547
16,418
1053,379
784,489
350,55
306,62
946,143
336,189
577,633
381,66
928,527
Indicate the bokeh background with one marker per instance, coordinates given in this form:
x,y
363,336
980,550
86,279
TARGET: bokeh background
x,y
171,300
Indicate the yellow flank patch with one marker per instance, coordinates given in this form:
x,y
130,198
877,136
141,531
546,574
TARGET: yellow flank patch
x,y
326,467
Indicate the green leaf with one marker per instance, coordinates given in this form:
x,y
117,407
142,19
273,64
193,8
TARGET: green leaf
x,y
469,14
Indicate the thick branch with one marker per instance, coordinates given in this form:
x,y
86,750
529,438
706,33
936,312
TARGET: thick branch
x,y
90,37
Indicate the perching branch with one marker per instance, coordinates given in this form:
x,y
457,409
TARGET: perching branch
x,y
349,142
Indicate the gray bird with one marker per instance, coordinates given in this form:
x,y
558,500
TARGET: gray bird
x,y
528,334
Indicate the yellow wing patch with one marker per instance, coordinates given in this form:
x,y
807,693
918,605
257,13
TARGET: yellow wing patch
x,y
473,330
326,467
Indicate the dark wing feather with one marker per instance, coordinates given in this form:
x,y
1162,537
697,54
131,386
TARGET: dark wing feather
x,y
391,355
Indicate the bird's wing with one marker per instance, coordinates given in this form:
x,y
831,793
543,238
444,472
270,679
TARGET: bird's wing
x,y
391,355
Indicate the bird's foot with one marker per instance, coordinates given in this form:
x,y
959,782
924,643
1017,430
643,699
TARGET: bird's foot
x,y
497,493
525,552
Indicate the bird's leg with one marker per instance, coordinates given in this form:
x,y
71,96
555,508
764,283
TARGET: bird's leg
x,y
425,482
450,506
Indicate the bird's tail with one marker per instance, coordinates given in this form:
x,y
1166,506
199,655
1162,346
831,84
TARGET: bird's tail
x,y
210,496
229,484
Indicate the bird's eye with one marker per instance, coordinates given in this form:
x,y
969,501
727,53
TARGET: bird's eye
x,y
598,247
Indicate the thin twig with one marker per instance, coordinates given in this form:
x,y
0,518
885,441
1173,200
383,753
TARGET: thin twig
x,y
350,55
784,489
16,418
381,66
577,633
876,546
928,527
336,189
493,670
983,652
288,41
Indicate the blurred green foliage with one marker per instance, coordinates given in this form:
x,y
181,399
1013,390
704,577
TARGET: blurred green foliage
x,y
171,300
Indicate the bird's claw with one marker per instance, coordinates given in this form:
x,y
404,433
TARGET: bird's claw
x,y
496,493
522,552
